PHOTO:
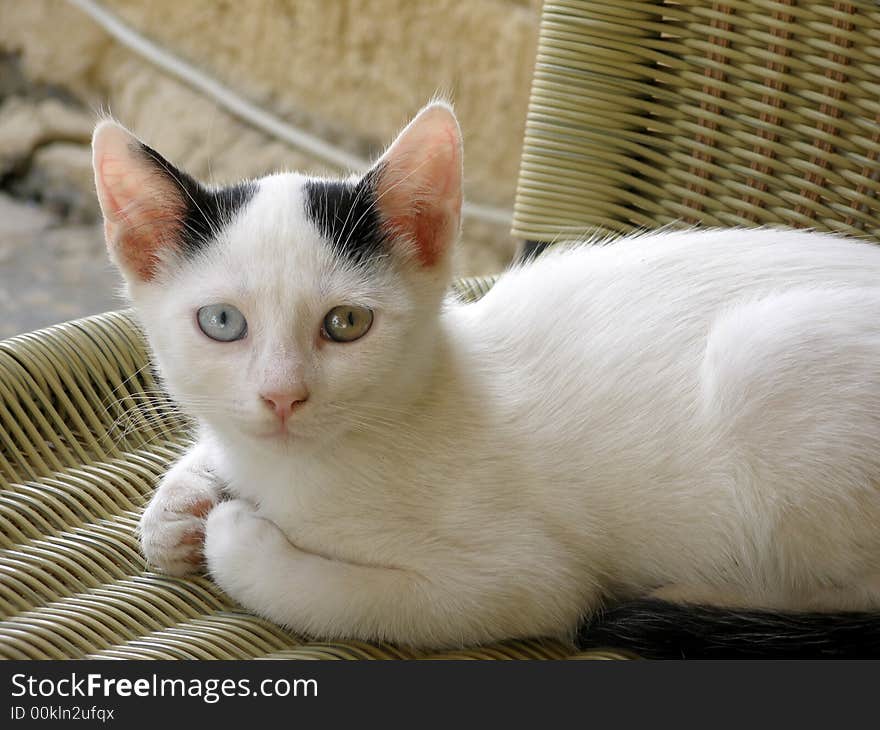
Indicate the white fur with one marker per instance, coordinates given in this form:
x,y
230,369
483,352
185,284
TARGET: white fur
x,y
695,414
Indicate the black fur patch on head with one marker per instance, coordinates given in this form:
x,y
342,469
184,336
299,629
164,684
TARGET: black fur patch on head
x,y
655,629
345,213
206,210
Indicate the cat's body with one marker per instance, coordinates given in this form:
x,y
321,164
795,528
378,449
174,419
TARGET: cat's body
x,y
694,415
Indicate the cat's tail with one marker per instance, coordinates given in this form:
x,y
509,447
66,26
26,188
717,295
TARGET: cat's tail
x,y
655,629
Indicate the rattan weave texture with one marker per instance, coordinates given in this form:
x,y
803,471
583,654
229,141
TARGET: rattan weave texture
x,y
84,437
722,113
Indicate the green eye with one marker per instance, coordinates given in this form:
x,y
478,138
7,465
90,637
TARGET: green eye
x,y
347,323
222,322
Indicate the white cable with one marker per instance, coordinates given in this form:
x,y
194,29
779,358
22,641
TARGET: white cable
x,y
244,109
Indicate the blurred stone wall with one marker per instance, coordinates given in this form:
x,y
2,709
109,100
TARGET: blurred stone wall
x,y
351,71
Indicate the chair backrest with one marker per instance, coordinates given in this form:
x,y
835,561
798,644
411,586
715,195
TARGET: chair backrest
x,y
721,113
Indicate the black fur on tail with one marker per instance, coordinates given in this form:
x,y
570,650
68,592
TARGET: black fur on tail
x,y
658,630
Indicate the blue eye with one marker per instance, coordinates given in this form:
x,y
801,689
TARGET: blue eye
x,y
222,322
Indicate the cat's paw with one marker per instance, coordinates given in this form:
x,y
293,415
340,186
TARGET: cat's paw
x,y
172,527
237,543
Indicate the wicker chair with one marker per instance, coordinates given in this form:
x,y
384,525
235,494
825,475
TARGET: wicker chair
x,y
736,113
642,114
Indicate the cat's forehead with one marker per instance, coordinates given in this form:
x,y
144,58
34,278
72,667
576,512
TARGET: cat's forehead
x,y
300,236
273,231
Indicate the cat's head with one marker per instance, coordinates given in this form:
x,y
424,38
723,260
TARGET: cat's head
x,y
287,309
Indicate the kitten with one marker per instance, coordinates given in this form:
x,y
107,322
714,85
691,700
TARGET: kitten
x,y
692,416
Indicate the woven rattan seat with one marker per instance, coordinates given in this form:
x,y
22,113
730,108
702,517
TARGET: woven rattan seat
x,y
739,113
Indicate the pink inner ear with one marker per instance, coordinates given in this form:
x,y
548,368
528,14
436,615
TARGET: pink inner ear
x,y
429,231
141,243
419,183
144,222
142,209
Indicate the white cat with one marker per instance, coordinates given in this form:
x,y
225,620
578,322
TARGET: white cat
x,y
692,415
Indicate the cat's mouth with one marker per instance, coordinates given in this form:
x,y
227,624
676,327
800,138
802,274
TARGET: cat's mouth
x,y
280,434
269,431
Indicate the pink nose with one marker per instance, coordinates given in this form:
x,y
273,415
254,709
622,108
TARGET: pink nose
x,y
284,402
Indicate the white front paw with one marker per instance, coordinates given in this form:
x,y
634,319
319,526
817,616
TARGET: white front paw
x,y
172,527
237,544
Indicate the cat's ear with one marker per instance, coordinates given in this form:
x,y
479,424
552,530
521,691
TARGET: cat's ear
x,y
418,183
142,197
